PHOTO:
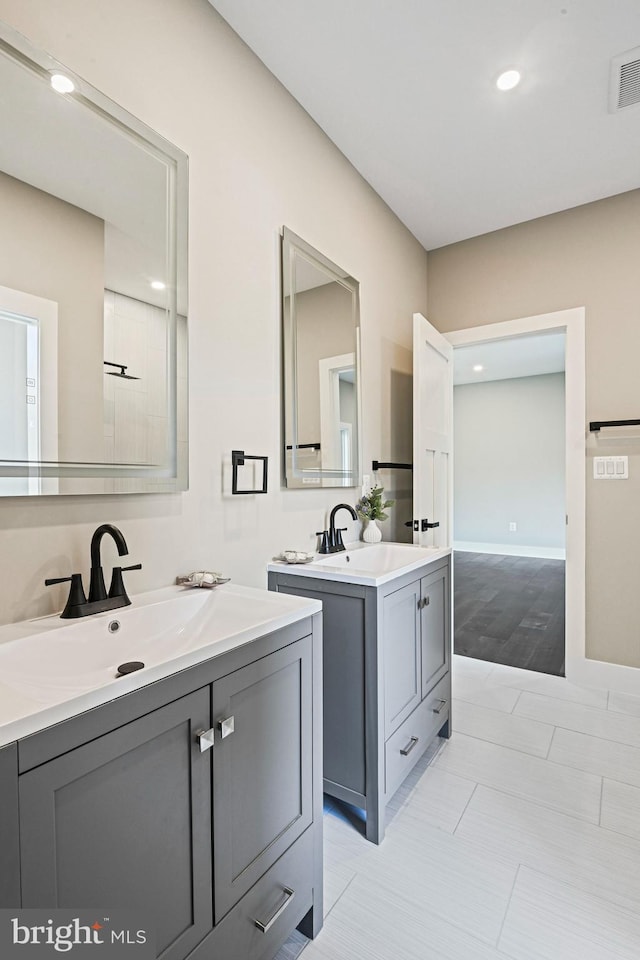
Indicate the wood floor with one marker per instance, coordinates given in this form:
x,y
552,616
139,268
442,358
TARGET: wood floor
x,y
520,840
510,610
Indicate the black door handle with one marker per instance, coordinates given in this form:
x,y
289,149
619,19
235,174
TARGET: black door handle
x,y
421,525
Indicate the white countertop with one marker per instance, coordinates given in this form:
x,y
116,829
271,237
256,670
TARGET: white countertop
x,y
371,565
53,669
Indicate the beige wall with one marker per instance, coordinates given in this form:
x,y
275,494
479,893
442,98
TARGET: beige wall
x,y
256,162
51,249
590,257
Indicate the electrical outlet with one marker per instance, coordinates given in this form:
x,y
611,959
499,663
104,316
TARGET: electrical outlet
x,y
513,526
366,484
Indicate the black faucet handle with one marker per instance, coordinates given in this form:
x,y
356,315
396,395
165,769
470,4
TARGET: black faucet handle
x,y
324,545
117,588
76,591
339,543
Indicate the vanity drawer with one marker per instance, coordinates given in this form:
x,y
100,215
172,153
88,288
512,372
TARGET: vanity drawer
x,y
404,748
287,886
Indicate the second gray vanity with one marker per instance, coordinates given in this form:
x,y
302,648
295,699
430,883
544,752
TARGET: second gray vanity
x,y
387,655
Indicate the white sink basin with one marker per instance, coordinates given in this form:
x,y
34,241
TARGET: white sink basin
x,y
369,564
88,651
378,558
51,669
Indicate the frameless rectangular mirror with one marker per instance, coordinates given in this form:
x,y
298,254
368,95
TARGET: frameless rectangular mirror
x,y
321,328
93,288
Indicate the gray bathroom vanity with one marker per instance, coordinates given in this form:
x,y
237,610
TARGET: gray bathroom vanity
x,y
190,791
387,655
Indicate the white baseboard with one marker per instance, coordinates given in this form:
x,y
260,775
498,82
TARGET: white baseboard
x,y
510,550
603,676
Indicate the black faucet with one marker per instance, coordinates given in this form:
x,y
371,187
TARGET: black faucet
x,y
97,589
77,604
335,534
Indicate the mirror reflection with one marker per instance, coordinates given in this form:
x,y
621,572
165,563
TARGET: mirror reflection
x,y
321,389
92,288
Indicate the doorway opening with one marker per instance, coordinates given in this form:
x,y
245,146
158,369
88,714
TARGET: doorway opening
x,y
518,503
28,391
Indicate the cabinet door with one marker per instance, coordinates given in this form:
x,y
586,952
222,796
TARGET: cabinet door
x,y
401,654
262,767
435,628
125,821
9,830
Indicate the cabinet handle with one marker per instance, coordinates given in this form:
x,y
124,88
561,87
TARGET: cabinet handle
x,y
405,751
205,739
439,709
424,603
265,925
226,726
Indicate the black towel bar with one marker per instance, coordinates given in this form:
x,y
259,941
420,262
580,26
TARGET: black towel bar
x,y
596,425
378,465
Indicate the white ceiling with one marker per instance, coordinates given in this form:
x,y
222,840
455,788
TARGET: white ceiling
x,y
526,356
407,92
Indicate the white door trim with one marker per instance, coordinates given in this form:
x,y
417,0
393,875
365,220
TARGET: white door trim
x,y
572,323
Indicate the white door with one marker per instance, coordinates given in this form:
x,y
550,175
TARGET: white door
x,y
432,435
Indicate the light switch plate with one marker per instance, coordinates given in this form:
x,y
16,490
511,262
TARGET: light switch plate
x,y
611,468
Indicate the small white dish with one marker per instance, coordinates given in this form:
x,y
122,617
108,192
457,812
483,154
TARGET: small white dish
x,y
202,578
295,556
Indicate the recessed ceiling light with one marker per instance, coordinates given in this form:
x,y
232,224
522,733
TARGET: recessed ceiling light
x,y
62,84
508,80
158,285
478,368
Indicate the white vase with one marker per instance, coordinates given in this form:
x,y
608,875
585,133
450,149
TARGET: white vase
x,y
372,532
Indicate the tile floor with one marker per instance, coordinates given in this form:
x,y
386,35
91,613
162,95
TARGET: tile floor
x,y
519,839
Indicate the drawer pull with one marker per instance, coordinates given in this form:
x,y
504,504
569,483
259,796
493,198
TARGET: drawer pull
x,y
226,727
405,751
265,926
440,708
205,739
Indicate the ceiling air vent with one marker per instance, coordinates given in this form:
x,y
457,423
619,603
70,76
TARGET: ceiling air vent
x,y
624,89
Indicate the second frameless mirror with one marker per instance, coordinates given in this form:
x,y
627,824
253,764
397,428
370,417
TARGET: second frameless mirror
x,y
321,324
